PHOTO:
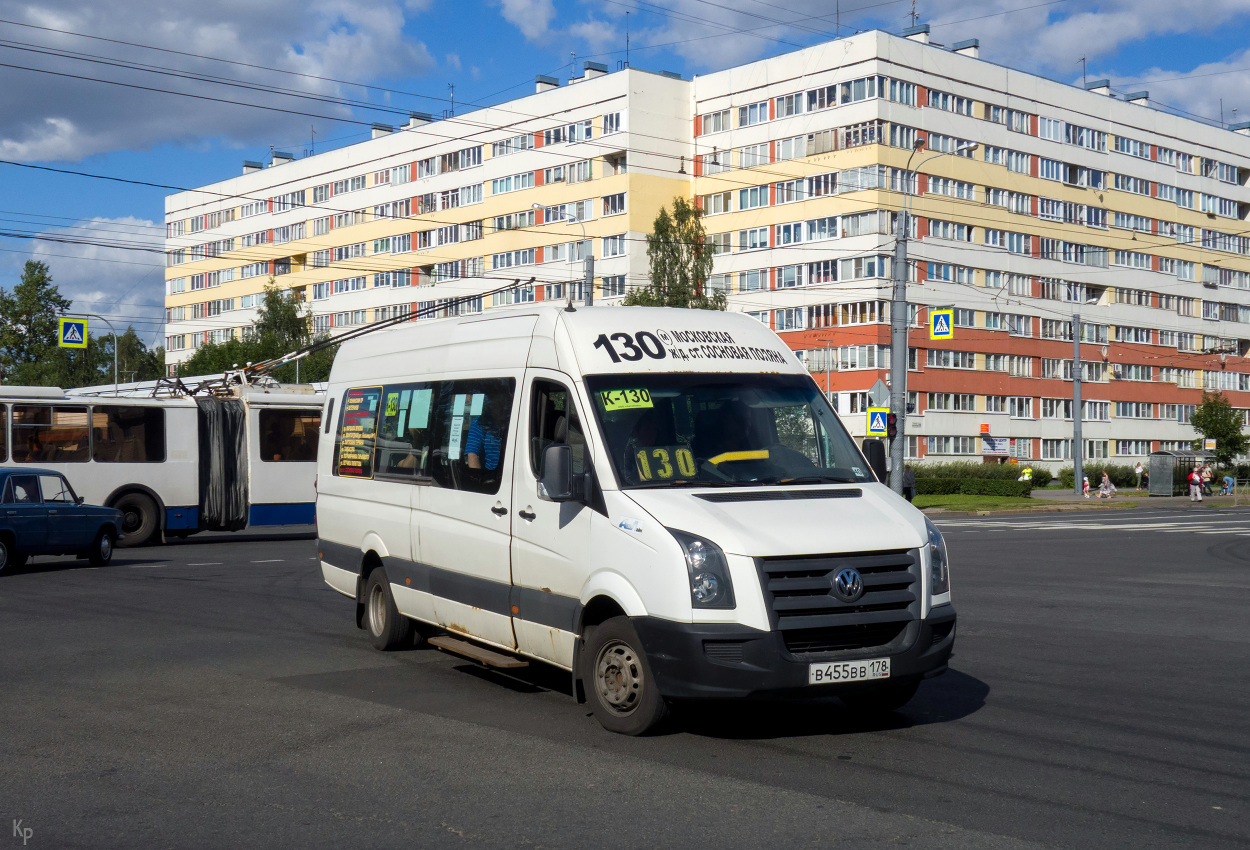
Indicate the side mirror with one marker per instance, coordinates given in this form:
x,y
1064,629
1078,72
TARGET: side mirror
x,y
874,451
556,477
78,500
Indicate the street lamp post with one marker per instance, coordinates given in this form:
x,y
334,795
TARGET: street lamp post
x,y
898,316
113,331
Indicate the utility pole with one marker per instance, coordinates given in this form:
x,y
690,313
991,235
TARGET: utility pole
x,y
1078,445
898,348
590,274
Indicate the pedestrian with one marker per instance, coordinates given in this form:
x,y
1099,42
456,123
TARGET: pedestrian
x,y
1085,485
1195,485
1106,489
1145,478
909,483
1206,480
1140,470
1229,483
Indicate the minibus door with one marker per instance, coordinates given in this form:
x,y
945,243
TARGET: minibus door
x,y
550,540
464,521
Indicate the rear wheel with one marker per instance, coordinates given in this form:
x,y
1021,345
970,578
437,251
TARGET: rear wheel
x,y
882,699
139,520
618,681
102,549
388,629
10,561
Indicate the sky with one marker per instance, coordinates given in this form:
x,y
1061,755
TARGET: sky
x,y
117,88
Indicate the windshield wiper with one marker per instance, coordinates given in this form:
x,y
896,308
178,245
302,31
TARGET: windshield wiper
x,y
817,479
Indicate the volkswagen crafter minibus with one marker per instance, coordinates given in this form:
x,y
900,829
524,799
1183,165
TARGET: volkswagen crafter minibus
x,y
660,501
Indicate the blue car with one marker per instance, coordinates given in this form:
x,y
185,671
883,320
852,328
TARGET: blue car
x,y
41,515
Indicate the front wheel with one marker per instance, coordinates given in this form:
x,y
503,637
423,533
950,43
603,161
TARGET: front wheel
x,y
883,698
388,629
102,548
139,519
10,560
622,692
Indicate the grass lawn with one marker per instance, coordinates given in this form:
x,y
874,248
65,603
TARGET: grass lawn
x,y
963,502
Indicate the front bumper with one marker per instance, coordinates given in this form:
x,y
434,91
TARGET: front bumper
x,y
705,660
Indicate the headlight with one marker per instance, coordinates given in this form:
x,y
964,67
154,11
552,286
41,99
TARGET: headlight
x,y
710,585
939,563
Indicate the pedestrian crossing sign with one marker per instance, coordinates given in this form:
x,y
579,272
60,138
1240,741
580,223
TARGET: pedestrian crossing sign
x,y
876,421
941,324
72,333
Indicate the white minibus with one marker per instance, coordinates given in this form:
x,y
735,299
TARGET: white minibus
x,y
660,501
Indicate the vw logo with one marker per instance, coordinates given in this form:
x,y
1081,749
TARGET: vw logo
x,y
848,585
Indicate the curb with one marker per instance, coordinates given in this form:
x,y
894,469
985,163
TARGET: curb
x,y
1050,509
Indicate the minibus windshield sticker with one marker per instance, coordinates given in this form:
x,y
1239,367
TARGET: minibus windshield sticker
x,y
475,407
419,415
665,463
401,426
392,404
685,345
625,399
358,432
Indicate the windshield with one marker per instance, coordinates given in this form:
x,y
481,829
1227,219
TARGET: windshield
x,y
689,429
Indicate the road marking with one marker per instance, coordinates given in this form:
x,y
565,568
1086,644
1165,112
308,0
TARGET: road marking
x,y
206,564
270,561
147,566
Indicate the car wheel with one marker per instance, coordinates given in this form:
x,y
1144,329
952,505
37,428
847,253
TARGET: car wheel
x,y
882,699
139,520
10,560
619,686
388,629
102,550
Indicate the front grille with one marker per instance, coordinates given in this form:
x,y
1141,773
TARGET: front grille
x,y
811,619
724,650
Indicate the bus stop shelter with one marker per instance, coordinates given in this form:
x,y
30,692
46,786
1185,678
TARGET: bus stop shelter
x,y
1169,471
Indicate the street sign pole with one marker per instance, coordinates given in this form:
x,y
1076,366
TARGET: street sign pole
x,y
113,331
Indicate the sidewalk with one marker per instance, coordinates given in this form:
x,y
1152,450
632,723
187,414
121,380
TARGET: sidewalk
x,y
1141,497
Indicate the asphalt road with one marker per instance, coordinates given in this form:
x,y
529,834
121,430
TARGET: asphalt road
x,y
215,693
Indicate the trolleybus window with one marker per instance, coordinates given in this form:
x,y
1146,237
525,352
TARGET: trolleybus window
x,y
128,434
4,432
289,435
43,434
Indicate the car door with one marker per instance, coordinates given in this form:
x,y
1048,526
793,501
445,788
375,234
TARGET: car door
x,y
67,521
26,514
550,540
463,518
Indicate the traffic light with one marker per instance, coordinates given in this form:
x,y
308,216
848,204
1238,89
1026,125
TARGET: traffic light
x,y
891,425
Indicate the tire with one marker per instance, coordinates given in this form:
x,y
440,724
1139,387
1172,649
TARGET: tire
x,y
882,699
139,519
388,629
10,560
102,549
617,677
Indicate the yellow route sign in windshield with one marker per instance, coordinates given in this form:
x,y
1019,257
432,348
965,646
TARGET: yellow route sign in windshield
x,y
625,399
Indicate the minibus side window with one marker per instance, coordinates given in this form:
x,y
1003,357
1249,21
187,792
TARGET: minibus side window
x,y
403,445
554,421
471,433
358,428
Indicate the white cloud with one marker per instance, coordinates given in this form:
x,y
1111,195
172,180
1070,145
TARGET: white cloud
x,y
125,286
47,117
453,61
532,17
1200,90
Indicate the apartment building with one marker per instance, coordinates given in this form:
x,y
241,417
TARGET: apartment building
x,y
1071,201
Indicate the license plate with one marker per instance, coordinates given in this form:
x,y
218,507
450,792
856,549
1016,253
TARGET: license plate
x,y
848,671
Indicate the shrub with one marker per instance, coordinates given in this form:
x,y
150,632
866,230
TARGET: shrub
x,y
1042,477
971,487
967,469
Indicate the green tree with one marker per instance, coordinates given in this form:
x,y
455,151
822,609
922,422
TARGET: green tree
x,y
282,326
93,365
680,257
28,328
1215,419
